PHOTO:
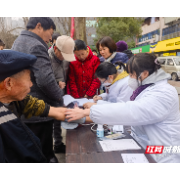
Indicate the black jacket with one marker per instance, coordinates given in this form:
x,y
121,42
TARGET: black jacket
x,y
18,144
128,53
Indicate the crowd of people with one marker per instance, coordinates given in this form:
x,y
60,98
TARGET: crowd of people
x,y
34,78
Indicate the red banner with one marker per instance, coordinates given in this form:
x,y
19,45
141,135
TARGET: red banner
x,y
72,27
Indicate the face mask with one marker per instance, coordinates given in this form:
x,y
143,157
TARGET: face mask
x,y
106,84
134,83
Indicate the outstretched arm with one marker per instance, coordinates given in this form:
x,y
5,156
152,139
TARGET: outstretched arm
x,y
57,113
32,106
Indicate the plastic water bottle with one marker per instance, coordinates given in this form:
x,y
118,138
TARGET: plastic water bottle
x,y
100,131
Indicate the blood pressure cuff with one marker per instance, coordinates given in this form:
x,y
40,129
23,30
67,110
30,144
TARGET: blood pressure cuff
x,y
72,125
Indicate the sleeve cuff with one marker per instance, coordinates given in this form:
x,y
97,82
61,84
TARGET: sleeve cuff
x,y
104,96
46,110
89,93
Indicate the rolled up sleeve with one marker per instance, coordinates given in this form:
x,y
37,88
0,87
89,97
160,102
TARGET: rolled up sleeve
x,y
32,106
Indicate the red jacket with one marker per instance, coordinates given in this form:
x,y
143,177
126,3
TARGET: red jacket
x,y
81,77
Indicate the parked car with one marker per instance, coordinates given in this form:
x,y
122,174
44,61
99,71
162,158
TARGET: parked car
x,y
171,65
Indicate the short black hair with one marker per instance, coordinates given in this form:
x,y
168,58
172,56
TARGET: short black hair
x,y
2,43
46,23
141,62
55,36
94,50
107,42
105,69
80,45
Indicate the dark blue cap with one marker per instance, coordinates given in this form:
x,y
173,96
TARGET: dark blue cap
x,y
12,62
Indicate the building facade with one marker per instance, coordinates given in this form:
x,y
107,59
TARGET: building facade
x,y
161,34
152,30
90,30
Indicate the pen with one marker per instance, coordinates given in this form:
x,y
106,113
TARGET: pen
x,y
97,92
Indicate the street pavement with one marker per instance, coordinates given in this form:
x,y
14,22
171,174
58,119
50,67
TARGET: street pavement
x,y
61,156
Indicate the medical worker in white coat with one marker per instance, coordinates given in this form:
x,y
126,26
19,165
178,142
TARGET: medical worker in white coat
x,y
153,111
115,80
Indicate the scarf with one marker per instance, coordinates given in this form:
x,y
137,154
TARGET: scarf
x,y
120,76
138,91
111,57
152,79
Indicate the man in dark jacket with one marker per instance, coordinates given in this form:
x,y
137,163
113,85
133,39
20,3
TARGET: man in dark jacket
x,y
61,53
34,41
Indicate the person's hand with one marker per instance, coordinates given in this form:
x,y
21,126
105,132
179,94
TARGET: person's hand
x,y
57,113
86,96
88,105
96,98
76,113
62,84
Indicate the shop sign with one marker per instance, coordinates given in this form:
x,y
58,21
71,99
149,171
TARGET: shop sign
x,y
142,49
169,54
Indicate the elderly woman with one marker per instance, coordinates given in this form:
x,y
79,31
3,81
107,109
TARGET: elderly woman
x,y
82,82
107,48
17,142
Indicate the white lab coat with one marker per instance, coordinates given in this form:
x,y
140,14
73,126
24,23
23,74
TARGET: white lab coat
x,y
119,91
154,117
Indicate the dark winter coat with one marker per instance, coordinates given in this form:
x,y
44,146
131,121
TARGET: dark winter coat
x,y
18,144
44,86
60,68
118,57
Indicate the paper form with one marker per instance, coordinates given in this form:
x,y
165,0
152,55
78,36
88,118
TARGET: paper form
x,y
68,99
91,100
134,158
82,101
119,145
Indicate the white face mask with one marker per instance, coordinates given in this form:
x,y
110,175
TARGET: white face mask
x,y
106,83
134,83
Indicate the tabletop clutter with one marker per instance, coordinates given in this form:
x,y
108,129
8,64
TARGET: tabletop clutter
x,y
113,142
83,146
110,137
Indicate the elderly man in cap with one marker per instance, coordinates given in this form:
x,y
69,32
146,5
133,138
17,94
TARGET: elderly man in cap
x,y
17,142
60,55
